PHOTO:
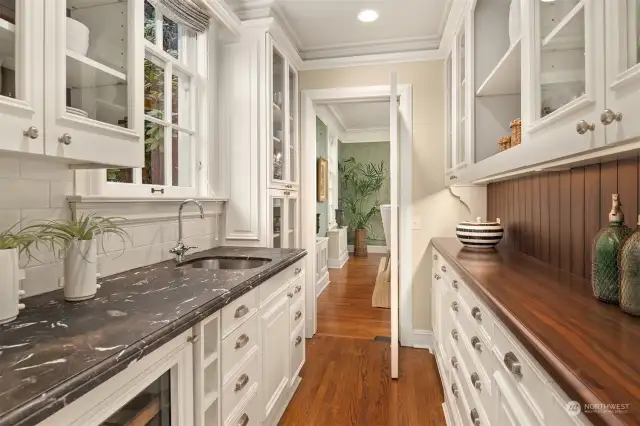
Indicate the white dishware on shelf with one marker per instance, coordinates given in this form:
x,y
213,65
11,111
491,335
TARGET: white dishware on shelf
x,y
277,98
77,37
278,134
77,111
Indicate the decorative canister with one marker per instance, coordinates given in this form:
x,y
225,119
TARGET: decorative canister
x,y
480,234
605,250
630,273
340,217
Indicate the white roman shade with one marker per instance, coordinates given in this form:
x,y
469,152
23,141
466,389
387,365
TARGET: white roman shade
x,y
186,12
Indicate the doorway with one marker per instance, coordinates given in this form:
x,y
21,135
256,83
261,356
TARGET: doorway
x,y
311,101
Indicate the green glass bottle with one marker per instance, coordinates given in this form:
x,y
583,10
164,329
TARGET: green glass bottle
x,y
606,247
630,273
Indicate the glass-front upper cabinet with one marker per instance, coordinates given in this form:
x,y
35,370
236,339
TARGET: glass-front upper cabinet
x,y
622,70
568,61
96,81
283,121
277,219
293,220
448,70
285,219
457,85
21,76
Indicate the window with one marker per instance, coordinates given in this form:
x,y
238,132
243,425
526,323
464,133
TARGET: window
x,y
170,132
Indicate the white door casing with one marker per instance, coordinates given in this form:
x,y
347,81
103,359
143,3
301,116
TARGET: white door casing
x,y
393,255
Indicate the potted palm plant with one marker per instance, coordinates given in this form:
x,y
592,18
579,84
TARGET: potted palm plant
x,y
76,239
13,242
359,187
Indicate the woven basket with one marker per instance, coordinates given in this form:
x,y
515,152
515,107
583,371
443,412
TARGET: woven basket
x,y
504,143
516,132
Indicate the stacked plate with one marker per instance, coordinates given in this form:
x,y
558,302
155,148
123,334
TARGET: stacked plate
x,y
480,234
77,111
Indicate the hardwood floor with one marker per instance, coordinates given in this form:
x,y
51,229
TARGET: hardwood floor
x,y
346,379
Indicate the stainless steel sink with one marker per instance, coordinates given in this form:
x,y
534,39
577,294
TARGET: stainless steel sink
x,y
222,262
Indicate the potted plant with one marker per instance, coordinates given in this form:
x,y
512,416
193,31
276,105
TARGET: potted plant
x,y
12,244
359,187
76,239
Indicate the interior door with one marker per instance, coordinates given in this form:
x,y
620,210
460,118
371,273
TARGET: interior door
x,y
393,255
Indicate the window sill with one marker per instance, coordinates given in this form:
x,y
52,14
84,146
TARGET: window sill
x,y
149,199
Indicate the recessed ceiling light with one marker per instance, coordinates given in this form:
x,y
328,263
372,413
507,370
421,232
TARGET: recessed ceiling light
x,y
547,1
368,15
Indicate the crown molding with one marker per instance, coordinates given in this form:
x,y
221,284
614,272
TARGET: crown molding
x,y
365,135
336,114
386,58
224,13
454,17
342,50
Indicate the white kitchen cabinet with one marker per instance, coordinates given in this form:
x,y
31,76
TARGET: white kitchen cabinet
x,y
92,86
21,76
285,218
275,356
160,385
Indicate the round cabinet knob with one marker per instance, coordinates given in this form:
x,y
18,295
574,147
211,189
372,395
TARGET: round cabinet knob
x,y
298,340
65,139
475,312
243,420
475,417
453,177
297,289
454,362
513,364
31,132
607,117
297,315
435,257
454,390
475,381
475,342
443,268
455,284
583,127
290,295
454,334
436,276
241,382
193,339
454,306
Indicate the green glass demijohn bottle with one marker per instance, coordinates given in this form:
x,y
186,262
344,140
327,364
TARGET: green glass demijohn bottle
x,y
630,273
606,247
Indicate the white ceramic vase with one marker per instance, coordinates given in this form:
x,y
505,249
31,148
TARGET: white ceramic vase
x,y
77,37
10,277
80,270
515,29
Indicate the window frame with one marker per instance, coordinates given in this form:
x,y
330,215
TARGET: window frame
x,y
194,55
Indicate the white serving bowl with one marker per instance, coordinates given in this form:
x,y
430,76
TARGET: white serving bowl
x,y
77,37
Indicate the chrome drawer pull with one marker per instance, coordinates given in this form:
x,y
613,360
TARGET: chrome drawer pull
x,y
193,339
455,284
454,362
241,311
242,382
475,342
435,257
242,341
454,334
454,390
297,271
443,268
454,306
290,295
436,276
475,417
298,340
297,316
512,363
475,381
297,288
243,420
475,312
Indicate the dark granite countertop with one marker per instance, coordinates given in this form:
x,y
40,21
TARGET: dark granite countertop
x,y
588,347
56,351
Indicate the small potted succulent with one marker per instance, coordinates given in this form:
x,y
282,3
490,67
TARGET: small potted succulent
x,y
13,243
76,239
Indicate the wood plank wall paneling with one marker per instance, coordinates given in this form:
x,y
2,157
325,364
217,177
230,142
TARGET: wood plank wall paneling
x,y
554,216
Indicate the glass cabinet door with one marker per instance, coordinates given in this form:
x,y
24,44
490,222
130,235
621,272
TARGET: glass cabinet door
x,y
279,76
448,70
97,49
623,70
293,221
292,172
277,217
21,73
460,151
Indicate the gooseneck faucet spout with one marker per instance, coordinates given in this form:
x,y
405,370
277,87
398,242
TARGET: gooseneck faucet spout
x,y
180,249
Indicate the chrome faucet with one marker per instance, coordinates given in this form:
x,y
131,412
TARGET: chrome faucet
x,y
180,249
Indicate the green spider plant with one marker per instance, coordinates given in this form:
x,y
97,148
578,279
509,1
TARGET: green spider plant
x,y
62,233
23,240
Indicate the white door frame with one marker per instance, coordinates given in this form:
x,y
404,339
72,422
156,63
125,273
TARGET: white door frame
x,y
308,100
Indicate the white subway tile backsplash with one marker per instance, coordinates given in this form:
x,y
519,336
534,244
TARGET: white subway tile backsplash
x,y
8,218
29,216
42,278
60,190
47,170
24,193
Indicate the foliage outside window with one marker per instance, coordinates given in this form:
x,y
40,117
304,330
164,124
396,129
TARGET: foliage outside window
x,y
169,107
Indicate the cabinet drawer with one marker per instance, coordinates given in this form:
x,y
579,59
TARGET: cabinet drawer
x,y
477,313
274,284
467,404
248,412
240,384
297,352
237,345
477,383
297,314
475,342
522,371
238,312
296,288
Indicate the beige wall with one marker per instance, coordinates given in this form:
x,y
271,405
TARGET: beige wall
x,y
433,207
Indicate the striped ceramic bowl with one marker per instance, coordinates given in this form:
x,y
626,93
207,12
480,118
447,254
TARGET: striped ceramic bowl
x,y
480,234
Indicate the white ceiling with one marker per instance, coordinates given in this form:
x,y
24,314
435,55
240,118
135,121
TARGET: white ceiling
x,y
361,115
330,28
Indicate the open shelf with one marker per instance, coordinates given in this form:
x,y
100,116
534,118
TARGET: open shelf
x,y
209,399
505,79
210,359
83,72
277,111
7,31
276,235
277,139
553,41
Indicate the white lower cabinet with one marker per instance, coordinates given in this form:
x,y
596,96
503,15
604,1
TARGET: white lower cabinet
x,y
488,376
237,367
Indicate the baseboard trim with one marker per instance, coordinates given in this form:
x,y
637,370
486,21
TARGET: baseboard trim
x,y
274,418
372,249
321,284
338,263
421,339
